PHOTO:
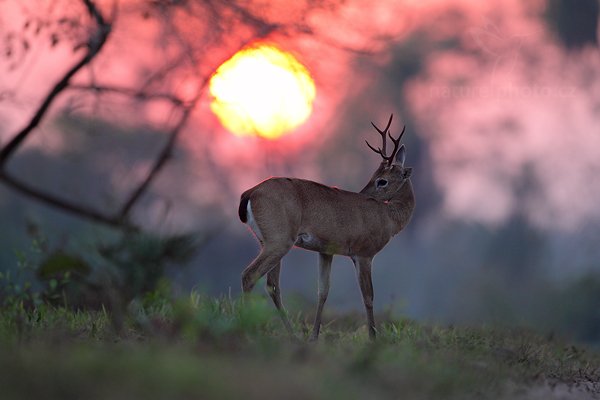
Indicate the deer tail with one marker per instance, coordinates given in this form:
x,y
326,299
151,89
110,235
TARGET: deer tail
x,y
243,209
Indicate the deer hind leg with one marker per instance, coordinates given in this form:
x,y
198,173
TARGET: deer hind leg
x,y
269,258
363,271
324,274
274,291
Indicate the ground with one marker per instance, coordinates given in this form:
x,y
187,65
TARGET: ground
x,y
200,347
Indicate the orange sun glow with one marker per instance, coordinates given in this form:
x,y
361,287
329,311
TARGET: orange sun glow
x,y
262,91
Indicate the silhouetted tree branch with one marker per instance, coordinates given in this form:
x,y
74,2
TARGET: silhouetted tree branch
x,y
95,44
62,204
218,14
129,92
167,150
160,162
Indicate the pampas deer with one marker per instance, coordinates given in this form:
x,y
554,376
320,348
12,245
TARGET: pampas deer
x,y
287,212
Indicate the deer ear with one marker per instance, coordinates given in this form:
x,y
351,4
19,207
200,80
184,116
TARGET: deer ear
x,y
401,155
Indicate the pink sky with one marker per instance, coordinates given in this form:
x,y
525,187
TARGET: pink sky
x,y
487,114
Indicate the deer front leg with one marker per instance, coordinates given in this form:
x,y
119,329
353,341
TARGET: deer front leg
x,y
274,291
363,271
324,274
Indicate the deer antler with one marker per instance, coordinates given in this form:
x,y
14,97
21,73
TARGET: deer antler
x,y
384,134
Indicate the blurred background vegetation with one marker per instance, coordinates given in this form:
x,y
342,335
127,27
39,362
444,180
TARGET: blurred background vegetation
x,y
481,261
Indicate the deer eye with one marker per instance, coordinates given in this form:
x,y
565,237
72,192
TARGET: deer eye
x,y
381,182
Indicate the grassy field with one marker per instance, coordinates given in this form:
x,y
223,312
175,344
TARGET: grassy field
x,y
203,348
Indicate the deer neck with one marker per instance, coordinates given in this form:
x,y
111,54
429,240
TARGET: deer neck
x,y
401,206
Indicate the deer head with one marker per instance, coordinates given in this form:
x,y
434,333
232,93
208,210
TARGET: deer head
x,y
391,175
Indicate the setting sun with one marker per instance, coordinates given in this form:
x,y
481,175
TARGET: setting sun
x,y
262,91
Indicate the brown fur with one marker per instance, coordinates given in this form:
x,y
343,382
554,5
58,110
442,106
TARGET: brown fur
x,y
331,221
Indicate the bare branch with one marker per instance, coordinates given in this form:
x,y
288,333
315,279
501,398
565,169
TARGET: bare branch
x,y
137,94
263,27
95,43
94,46
166,152
161,160
63,204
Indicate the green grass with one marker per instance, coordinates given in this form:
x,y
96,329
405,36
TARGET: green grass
x,y
208,348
